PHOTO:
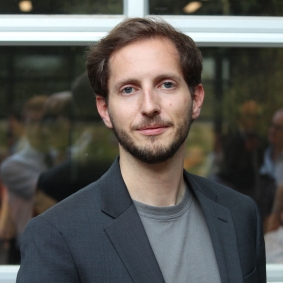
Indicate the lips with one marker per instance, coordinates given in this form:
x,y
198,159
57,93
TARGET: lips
x,y
152,130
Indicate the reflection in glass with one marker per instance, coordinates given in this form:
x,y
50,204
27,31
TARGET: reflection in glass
x,y
217,7
61,7
53,142
227,143
19,174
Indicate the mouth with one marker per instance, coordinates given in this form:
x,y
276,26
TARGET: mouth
x,y
152,130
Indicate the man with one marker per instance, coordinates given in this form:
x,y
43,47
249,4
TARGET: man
x,y
85,165
146,220
242,152
273,157
274,237
271,172
20,172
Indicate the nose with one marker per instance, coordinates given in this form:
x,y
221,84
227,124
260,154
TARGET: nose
x,y
150,104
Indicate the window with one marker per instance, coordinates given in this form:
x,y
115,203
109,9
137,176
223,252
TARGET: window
x,y
42,53
52,7
217,7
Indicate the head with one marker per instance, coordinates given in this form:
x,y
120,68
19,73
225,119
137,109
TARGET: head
x,y
146,76
32,113
57,119
137,29
276,130
248,116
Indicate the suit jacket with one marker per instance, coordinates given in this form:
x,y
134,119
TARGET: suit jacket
x,y
96,235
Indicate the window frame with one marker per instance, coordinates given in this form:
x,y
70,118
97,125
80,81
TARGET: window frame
x,y
207,31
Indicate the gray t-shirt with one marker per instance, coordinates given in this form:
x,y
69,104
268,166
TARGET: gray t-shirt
x,y
180,241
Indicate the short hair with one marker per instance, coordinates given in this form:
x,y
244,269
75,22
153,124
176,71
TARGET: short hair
x,y
59,105
133,30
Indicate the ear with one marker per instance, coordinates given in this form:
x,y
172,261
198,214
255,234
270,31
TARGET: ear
x,y
102,108
198,97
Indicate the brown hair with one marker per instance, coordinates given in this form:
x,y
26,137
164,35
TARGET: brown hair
x,y
135,29
59,104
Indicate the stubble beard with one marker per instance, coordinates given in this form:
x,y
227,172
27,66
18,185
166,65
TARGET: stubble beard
x,y
156,152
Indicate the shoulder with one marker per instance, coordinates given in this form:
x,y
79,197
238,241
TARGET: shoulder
x,y
242,207
84,205
11,167
16,162
62,169
74,210
9,162
73,223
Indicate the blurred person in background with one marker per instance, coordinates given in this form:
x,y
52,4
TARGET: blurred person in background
x,y
274,235
88,160
15,133
241,155
57,123
271,171
19,173
273,156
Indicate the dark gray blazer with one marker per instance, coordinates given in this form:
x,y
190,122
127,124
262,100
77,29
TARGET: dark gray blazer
x,y
96,235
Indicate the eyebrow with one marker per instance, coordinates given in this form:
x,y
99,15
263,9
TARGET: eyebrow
x,y
125,82
167,76
156,79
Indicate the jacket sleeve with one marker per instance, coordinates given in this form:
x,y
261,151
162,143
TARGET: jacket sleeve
x,y
45,256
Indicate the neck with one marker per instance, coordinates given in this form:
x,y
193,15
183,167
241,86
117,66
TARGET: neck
x,y
154,184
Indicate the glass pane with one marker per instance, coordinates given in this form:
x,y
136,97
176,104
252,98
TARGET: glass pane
x,y
49,126
48,117
238,140
61,7
217,7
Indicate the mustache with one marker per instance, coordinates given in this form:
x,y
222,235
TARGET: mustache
x,y
152,121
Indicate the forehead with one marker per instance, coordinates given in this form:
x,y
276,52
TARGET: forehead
x,y
142,52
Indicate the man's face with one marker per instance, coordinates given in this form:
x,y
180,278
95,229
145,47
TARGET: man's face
x,y
276,130
149,106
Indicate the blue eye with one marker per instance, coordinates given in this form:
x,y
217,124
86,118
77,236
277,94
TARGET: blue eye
x,y
128,90
168,85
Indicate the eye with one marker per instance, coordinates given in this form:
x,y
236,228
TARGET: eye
x,y
167,85
128,90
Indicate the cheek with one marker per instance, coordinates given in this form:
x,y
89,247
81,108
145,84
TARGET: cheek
x,y
122,114
180,112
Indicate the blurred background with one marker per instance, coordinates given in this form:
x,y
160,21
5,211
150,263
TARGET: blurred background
x,y
51,136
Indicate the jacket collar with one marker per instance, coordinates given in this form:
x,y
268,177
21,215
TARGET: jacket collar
x,y
221,228
126,231
129,238
115,198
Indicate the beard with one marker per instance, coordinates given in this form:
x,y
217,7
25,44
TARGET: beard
x,y
155,152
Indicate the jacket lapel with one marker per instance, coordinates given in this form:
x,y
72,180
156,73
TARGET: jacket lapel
x,y
222,231
129,238
126,231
